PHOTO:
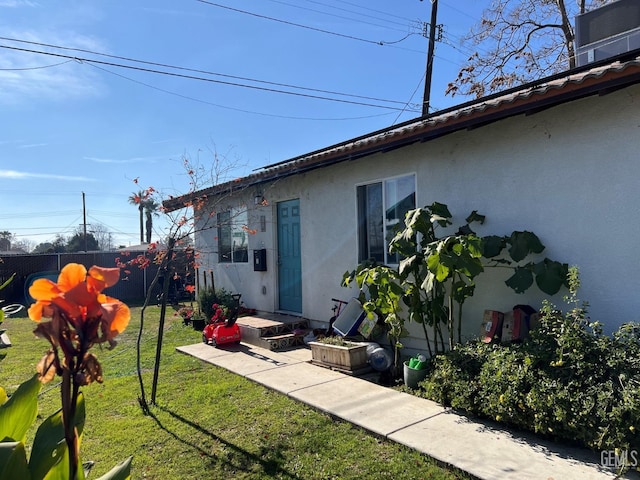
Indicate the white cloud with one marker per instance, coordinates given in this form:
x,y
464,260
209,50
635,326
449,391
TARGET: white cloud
x,y
17,175
26,75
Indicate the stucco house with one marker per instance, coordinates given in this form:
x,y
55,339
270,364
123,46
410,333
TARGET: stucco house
x,y
559,157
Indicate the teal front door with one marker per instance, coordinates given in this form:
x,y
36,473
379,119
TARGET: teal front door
x,y
289,257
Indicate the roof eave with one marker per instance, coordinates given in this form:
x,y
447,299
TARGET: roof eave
x,y
527,99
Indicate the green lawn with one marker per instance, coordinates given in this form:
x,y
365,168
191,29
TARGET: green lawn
x,y
207,423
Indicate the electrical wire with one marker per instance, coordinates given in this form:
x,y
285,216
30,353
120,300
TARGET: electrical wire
x,y
424,75
370,9
179,68
340,16
34,68
466,14
192,77
186,97
286,22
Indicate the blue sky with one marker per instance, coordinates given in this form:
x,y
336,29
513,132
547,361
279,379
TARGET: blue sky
x,y
69,124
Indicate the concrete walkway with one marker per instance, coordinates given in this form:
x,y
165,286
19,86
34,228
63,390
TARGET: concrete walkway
x,y
483,449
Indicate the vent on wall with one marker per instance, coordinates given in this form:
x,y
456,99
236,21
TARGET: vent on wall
x,y
607,31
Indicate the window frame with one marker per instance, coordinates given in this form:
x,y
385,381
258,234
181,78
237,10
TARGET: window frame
x,y
362,223
235,224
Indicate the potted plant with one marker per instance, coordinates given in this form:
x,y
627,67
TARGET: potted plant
x,y
380,293
339,354
186,313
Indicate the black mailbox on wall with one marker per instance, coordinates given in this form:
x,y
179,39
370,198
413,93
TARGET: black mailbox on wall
x,y
260,260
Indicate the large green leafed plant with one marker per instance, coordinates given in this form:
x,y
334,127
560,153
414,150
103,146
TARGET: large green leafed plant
x,y
439,269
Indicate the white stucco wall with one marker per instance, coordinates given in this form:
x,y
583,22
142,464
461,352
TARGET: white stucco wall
x,y
569,174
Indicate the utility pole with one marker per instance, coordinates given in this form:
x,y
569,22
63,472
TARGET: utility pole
x,y
432,41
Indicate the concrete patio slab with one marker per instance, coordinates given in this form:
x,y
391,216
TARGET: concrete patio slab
x,y
290,378
490,452
378,409
205,352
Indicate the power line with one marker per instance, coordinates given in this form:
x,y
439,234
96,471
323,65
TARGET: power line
x,y
411,98
186,69
371,9
193,77
186,97
34,68
6,216
340,16
466,14
286,22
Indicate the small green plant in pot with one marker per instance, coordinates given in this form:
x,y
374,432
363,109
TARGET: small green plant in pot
x,y
380,292
340,354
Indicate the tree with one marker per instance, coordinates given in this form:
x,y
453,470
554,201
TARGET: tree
x,y
150,208
23,244
102,235
78,243
517,41
59,245
138,199
5,240
196,214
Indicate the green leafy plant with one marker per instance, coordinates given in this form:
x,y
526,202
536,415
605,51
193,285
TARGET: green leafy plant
x,y
437,272
380,293
335,340
207,297
567,381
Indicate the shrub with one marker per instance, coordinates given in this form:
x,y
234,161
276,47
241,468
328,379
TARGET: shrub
x,y
208,297
453,378
568,381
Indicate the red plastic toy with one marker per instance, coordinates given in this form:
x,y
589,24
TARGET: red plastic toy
x,y
222,327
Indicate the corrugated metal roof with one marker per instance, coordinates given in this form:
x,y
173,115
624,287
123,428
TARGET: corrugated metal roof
x,y
572,85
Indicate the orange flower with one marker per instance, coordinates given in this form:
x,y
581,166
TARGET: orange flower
x,y
78,297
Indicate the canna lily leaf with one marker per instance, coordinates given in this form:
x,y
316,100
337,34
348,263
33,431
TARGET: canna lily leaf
x,y
13,461
49,456
122,471
440,213
475,217
439,269
19,412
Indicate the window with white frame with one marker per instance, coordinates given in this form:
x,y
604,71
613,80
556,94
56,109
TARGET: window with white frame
x,y
381,210
233,245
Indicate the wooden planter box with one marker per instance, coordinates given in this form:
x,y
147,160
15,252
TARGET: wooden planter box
x,y
350,359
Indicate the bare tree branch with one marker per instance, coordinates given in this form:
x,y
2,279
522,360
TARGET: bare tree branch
x,y
517,41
